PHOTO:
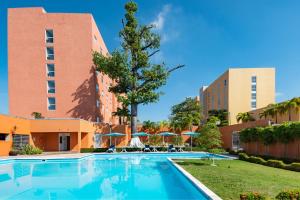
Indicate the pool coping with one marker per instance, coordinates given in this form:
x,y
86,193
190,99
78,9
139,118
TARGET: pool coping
x,y
195,181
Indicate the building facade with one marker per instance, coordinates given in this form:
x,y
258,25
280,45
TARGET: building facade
x,y
50,67
57,134
239,90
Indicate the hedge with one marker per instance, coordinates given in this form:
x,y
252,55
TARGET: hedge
x,y
252,196
284,195
271,163
283,133
289,195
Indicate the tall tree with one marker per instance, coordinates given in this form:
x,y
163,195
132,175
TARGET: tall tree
x,y
137,80
186,114
222,115
210,135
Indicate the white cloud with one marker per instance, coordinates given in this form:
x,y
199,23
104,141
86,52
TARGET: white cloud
x,y
159,21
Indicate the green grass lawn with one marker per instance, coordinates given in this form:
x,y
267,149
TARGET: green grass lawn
x,y
230,178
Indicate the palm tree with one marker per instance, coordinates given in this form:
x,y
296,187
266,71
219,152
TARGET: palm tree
x,y
244,117
294,103
264,114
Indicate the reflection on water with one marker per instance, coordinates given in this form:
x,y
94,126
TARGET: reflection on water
x,y
134,177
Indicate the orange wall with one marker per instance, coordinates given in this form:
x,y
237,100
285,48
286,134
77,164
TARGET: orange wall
x,y
279,150
227,131
12,125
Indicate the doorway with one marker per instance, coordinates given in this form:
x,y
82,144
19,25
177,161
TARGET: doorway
x,y
64,142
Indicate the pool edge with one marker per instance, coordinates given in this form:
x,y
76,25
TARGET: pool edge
x,y
195,181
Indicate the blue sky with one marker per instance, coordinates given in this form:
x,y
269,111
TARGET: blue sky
x,y
208,36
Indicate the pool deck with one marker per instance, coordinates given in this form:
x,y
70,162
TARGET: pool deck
x,y
48,156
73,155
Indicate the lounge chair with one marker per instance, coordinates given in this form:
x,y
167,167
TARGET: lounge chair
x,y
147,148
111,149
171,148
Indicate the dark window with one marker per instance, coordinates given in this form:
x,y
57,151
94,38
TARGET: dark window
x,y
49,36
50,53
4,136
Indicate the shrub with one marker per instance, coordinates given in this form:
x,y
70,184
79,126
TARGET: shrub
x,y
289,195
217,151
294,167
252,196
257,160
243,156
283,133
276,163
13,152
30,150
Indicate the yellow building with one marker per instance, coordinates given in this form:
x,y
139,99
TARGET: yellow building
x,y
239,90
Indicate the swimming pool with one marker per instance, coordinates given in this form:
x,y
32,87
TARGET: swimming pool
x,y
105,176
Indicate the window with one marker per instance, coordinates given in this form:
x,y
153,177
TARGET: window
x,y
98,103
50,70
51,103
253,96
253,79
51,87
98,119
253,88
50,53
4,137
253,104
97,87
225,82
95,38
49,36
20,140
236,141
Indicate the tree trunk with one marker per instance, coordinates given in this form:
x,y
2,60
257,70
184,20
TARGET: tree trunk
x,y
134,109
290,115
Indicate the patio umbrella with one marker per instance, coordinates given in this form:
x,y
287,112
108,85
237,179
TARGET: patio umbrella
x,y
191,134
141,134
166,134
113,135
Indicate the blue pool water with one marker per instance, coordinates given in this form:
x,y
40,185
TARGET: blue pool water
x,y
117,176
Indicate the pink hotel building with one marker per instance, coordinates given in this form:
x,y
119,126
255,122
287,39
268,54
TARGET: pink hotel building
x,y
50,67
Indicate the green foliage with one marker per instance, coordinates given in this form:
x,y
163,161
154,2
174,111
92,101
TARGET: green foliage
x,y
150,127
186,114
271,163
155,139
136,79
37,115
289,195
210,136
30,150
221,115
177,140
243,156
244,117
252,196
274,110
217,151
283,133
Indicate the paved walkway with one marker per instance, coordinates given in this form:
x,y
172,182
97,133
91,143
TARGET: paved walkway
x,y
48,155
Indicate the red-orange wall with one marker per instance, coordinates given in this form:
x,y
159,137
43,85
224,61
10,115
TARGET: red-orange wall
x,y
74,40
